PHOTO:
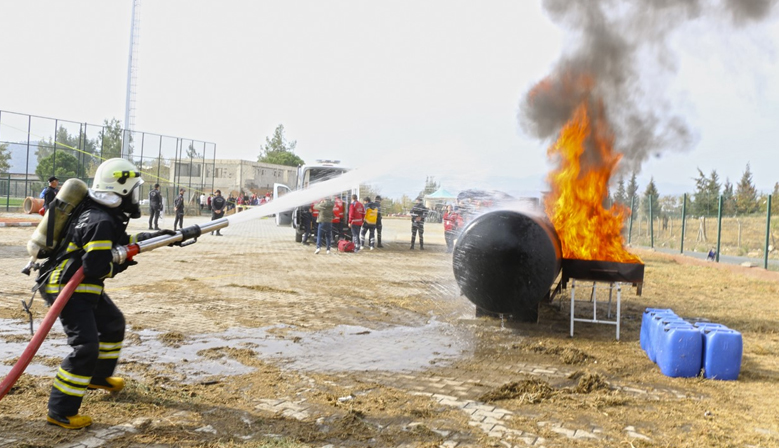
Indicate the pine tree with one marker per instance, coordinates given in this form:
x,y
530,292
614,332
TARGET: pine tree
x,y
621,196
746,194
728,199
632,189
706,197
651,196
278,150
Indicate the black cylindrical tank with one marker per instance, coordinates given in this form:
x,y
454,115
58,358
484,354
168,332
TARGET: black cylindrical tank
x,y
506,262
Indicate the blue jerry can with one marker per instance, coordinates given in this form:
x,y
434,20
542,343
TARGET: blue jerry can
x,y
679,351
722,355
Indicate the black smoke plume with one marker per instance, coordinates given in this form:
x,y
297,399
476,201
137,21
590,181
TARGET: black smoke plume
x,y
616,46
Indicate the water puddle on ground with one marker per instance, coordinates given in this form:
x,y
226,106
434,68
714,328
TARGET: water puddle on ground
x,y
196,358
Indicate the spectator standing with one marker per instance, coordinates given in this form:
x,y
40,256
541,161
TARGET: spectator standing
x,y
325,223
218,207
452,224
378,222
50,192
418,215
203,201
208,201
356,216
155,207
369,223
338,219
178,210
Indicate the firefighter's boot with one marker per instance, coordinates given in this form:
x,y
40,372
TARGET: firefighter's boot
x,y
111,384
73,422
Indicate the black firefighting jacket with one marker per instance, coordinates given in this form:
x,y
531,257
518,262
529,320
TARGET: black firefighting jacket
x,y
90,238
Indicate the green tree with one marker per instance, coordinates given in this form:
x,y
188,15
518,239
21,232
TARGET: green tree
x,y
278,150
430,186
651,196
621,196
632,190
775,199
746,194
109,141
5,156
78,146
192,152
671,205
728,199
66,166
706,197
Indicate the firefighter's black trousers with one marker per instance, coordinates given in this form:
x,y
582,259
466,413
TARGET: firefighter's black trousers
x,y
95,330
417,227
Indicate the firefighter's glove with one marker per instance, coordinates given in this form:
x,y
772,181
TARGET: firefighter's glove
x,y
143,236
123,266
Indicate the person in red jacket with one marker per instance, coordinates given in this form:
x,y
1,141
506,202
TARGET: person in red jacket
x,y
338,216
453,222
356,216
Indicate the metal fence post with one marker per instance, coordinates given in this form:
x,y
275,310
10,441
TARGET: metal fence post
x,y
719,227
8,194
684,217
630,224
767,232
651,225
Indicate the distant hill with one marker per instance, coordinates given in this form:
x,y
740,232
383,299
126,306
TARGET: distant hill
x,y
19,159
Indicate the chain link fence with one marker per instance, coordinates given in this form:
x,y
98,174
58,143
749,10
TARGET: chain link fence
x,y
752,236
35,148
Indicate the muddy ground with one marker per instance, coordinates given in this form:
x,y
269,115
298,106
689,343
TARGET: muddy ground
x,y
252,340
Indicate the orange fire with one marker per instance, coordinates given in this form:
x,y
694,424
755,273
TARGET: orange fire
x,y
579,185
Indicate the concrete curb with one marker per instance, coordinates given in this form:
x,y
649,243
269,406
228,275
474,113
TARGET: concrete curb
x,y
18,224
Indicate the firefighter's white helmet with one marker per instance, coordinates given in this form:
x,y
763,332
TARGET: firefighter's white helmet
x,y
118,176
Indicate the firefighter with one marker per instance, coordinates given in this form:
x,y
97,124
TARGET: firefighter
x,y
305,223
178,209
93,324
418,214
155,207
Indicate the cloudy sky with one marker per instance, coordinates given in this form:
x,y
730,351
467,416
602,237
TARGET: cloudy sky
x,y
410,88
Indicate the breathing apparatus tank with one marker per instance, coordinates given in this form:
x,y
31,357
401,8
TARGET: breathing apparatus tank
x,y
49,233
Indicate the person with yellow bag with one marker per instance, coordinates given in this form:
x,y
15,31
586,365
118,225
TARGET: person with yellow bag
x,y
369,223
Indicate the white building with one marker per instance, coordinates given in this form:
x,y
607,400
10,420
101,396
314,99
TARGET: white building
x,y
234,176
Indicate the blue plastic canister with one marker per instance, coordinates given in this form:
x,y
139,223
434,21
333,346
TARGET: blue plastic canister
x,y
704,325
646,321
656,330
679,350
722,355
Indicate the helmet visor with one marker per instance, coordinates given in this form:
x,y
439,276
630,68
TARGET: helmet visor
x,y
136,191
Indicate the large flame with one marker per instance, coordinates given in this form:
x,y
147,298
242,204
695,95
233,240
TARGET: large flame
x,y
579,186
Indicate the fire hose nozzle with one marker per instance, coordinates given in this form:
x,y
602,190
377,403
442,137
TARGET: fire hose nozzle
x,y
120,254
27,269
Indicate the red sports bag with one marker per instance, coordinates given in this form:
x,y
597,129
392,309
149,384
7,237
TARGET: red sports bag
x,y
345,246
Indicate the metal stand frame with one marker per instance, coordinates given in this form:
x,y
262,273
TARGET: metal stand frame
x,y
594,301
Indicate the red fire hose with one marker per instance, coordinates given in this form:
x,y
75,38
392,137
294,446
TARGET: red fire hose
x,y
40,335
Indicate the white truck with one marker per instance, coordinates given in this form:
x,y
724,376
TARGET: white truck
x,y
309,175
